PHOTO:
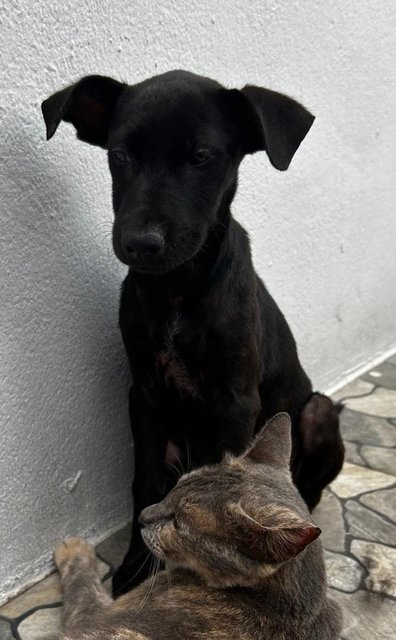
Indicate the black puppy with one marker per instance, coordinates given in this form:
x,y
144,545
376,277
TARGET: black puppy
x,y
211,354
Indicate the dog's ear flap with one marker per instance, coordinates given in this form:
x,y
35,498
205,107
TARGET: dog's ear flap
x,y
272,122
87,104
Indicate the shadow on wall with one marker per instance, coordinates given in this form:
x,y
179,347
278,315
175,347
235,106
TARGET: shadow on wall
x,y
65,374
62,255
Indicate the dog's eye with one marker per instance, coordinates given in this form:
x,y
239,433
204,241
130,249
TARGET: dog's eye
x,y
200,155
120,156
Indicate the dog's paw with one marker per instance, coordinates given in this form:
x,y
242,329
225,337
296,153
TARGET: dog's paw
x,y
72,550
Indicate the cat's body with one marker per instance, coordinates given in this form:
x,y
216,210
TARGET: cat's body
x,y
246,561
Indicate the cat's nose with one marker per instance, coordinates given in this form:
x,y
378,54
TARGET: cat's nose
x,y
154,513
148,515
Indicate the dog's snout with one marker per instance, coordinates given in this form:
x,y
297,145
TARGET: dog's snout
x,y
147,245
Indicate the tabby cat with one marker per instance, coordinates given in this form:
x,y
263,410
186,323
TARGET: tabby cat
x,y
243,559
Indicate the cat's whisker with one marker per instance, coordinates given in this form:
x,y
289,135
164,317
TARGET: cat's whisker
x,y
188,449
173,468
148,555
154,567
182,470
169,579
139,555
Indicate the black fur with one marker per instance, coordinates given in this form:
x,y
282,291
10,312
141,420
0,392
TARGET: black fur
x,y
211,354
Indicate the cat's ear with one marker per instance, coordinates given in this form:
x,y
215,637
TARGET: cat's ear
x,y
272,445
88,105
275,544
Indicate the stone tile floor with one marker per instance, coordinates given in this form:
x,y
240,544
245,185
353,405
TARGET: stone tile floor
x,y
357,515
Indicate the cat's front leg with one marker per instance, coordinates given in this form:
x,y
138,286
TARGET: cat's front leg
x,y
83,592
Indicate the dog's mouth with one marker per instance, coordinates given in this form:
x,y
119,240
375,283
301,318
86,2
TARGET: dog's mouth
x,y
139,265
142,266
170,261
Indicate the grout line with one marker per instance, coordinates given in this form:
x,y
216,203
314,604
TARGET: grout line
x,y
390,419
349,538
387,519
14,630
354,397
15,622
356,496
387,447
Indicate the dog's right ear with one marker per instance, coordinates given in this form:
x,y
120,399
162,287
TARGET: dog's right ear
x,y
87,104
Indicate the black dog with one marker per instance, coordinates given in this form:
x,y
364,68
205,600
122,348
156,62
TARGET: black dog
x,y
211,354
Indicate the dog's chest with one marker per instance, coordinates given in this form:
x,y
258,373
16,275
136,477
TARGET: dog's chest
x,y
173,358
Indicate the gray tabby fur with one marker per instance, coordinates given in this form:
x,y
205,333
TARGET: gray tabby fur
x,y
243,560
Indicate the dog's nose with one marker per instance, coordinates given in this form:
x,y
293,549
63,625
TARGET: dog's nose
x,y
146,245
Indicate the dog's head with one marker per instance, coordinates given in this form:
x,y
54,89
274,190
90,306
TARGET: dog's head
x,y
174,145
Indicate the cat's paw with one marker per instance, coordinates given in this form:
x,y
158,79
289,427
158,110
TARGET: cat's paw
x,y
72,550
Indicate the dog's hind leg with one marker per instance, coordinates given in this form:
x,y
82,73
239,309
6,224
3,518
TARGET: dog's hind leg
x,y
83,593
318,450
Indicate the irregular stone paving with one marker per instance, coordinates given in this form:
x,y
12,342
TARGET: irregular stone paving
x,y
357,515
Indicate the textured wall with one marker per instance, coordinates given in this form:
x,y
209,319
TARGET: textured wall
x,y
323,232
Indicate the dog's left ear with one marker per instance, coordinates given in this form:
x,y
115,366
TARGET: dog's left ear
x,y
272,122
87,104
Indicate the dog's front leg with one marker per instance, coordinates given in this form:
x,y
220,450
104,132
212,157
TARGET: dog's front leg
x,y
318,450
234,421
151,483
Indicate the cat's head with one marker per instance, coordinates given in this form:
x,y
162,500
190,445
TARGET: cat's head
x,y
237,522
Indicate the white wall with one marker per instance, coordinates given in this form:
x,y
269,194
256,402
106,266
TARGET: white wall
x,y
323,232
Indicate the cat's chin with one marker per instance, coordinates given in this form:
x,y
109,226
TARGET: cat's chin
x,y
151,542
